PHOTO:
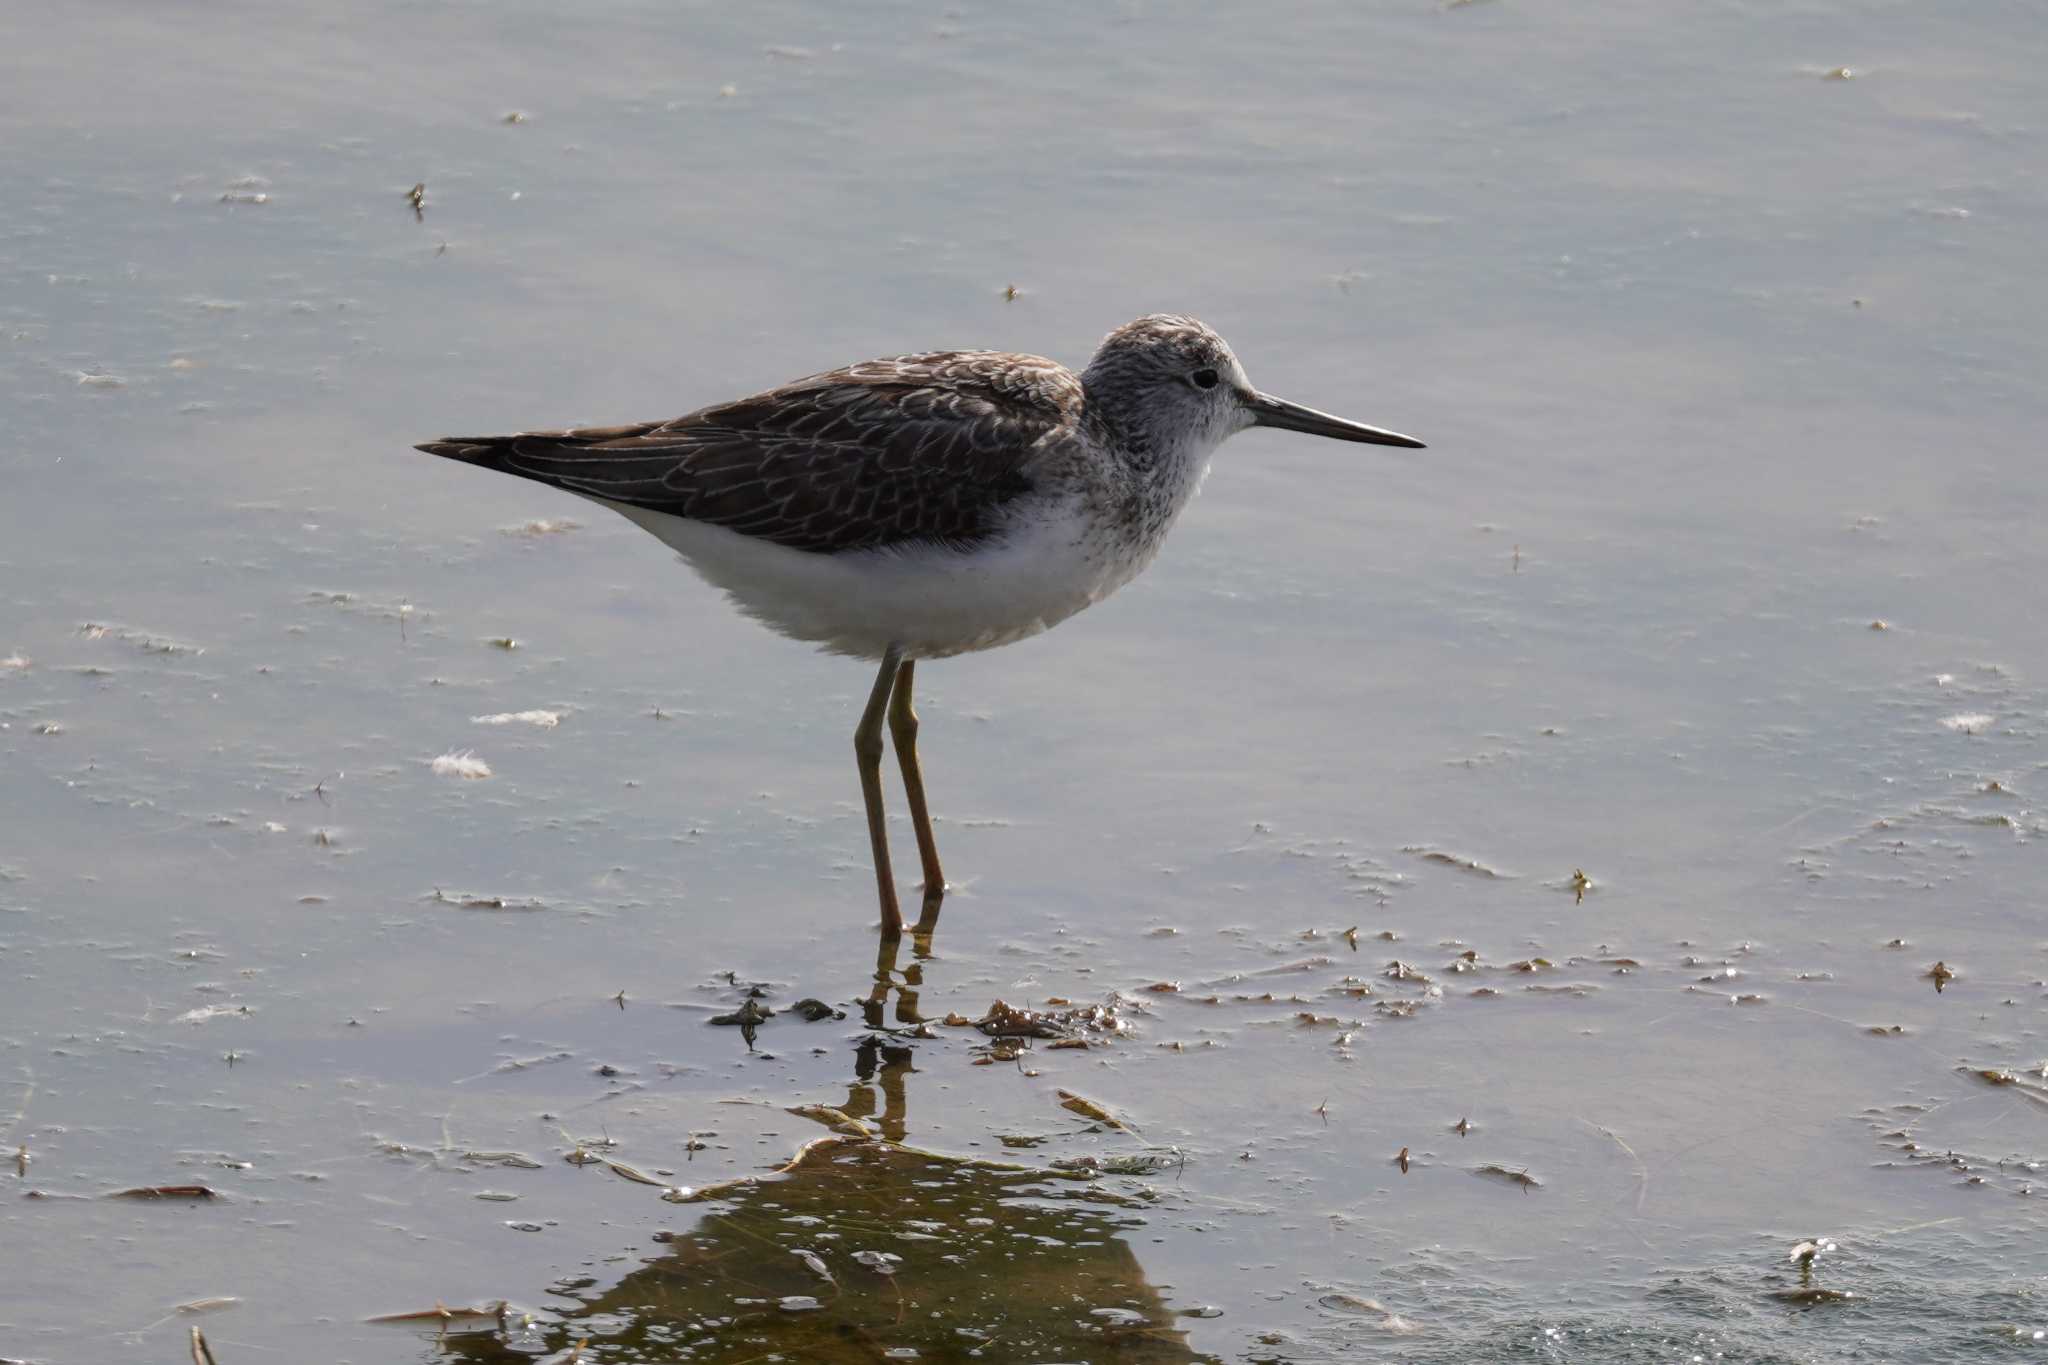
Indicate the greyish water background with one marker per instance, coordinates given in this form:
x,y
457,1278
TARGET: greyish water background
x,y
1723,359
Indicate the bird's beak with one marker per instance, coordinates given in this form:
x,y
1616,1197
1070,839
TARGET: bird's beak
x,y
1268,411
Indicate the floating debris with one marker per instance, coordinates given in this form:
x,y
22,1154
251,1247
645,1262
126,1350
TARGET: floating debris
x,y
1001,1050
203,1013
417,197
838,1120
166,1192
543,526
1968,723
1401,1160
468,902
1940,974
1005,1020
142,640
1495,1171
440,1312
1089,1109
1127,1163
1389,1321
812,1010
248,189
749,1014
1579,885
461,763
1803,1254
1454,860
542,720
638,1177
516,1160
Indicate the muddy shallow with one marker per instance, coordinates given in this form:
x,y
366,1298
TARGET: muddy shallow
x,y
1580,808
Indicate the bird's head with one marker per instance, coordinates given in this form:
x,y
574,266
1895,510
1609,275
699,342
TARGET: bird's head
x,y
1174,382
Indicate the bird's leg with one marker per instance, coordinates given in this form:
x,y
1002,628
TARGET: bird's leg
x,y
903,729
867,749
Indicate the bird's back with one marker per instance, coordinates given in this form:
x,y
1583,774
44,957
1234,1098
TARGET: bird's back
x,y
917,448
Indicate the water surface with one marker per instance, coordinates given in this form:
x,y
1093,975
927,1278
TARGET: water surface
x,y
1718,585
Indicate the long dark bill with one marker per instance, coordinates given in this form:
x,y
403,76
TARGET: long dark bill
x,y
1268,411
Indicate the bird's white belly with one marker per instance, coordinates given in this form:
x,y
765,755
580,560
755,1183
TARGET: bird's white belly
x,y
929,600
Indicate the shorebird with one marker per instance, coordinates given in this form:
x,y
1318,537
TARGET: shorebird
x,y
921,506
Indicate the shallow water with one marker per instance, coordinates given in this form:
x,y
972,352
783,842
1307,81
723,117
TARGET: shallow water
x,y
1724,363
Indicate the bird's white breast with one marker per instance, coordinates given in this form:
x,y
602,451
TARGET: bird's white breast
x,y
1056,557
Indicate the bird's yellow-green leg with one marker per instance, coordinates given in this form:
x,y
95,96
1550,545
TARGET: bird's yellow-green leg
x,y
867,749
903,729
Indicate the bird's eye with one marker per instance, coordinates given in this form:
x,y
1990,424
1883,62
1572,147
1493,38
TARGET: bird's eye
x,y
1203,379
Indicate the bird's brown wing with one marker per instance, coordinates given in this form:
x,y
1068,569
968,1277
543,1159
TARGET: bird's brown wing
x,y
912,448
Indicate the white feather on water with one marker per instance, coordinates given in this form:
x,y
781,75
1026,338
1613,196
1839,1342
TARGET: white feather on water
x,y
545,720
464,763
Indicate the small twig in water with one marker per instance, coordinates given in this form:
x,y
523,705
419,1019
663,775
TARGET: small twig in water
x,y
1642,1170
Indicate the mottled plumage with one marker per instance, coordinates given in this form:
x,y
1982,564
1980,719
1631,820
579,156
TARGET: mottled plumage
x,y
909,448
925,505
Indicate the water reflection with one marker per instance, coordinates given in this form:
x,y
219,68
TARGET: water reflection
x,y
905,989
861,1250
884,1067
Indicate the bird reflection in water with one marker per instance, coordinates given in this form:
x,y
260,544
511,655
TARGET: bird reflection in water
x,y
863,1249
878,1062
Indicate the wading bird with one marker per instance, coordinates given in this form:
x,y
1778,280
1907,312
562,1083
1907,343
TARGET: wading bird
x,y
922,506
